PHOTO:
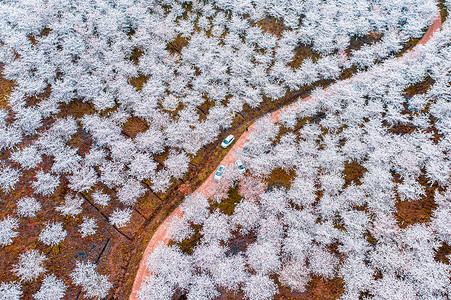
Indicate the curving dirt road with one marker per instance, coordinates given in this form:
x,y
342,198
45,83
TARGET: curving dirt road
x,y
162,235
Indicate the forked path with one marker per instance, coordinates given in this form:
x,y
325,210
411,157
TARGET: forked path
x,y
162,235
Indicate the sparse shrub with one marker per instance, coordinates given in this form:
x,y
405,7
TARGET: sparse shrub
x,y
52,234
7,230
30,265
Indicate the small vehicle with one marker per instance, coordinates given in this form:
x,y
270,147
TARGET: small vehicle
x,y
240,166
218,173
228,141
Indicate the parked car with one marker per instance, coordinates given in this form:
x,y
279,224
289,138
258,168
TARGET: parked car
x,y
240,166
218,173
228,141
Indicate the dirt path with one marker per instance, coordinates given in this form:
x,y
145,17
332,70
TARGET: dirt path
x,y
436,25
162,236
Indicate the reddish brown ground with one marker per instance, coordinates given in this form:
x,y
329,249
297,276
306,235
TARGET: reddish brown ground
x,y
317,289
133,126
353,172
419,211
280,178
6,87
272,25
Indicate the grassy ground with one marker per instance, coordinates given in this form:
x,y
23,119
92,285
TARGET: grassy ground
x,y
6,87
280,178
353,172
317,289
419,211
443,10
419,88
227,206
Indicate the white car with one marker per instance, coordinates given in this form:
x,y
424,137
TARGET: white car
x,y
228,141
218,173
240,166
